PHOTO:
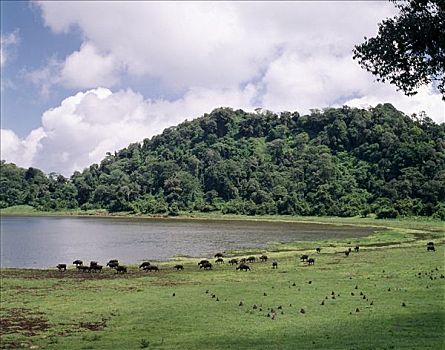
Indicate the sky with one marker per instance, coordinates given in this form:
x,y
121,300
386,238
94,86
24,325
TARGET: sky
x,y
80,79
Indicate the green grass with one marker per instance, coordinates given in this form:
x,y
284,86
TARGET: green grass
x,y
138,310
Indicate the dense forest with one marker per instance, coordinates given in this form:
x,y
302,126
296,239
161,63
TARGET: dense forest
x,y
339,161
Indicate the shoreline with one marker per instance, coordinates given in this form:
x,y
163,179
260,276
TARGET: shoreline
x,y
424,223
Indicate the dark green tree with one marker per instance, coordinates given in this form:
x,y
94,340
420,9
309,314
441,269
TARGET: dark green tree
x,y
409,50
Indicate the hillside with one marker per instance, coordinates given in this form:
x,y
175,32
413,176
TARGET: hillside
x,y
341,162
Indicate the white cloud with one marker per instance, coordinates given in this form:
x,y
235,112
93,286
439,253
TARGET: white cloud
x,y
20,152
7,41
83,69
87,68
298,55
85,126
211,44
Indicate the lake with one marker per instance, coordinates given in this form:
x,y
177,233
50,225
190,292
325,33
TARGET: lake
x,y
39,242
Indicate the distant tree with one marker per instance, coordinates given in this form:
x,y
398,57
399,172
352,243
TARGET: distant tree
x,y
409,50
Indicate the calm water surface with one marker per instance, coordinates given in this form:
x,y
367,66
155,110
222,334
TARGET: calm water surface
x,y
38,242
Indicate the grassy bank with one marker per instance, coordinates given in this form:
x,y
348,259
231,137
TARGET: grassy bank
x,y
389,295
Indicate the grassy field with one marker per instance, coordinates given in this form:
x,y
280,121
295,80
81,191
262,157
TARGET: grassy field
x,y
389,295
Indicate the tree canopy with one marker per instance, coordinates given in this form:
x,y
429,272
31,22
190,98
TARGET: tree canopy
x,y
339,161
409,50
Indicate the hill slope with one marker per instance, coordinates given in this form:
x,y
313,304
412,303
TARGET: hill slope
x,y
341,162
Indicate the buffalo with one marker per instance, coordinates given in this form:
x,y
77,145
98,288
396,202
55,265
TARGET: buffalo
x,y
113,265
93,263
96,268
61,267
304,257
179,267
243,267
263,258
233,261
311,261
83,268
206,266
430,248
144,265
347,252
251,259
203,262
243,260
318,249
219,255
121,269
274,265
357,248
77,262
151,268
219,261
113,261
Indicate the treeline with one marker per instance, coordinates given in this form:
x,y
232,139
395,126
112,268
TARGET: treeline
x,y
341,162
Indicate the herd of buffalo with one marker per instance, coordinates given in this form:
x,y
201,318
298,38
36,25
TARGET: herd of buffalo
x,y
242,264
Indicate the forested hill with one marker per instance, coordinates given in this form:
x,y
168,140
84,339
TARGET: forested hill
x,y
341,162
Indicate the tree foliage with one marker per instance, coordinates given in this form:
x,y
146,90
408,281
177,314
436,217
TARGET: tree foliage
x,y
409,50
340,161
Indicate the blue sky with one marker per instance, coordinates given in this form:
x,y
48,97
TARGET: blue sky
x,y
80,79
22,105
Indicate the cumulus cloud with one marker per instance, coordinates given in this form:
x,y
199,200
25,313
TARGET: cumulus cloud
x,y
20,152
88,68
85,126
83,69
298,55
211,44
7,42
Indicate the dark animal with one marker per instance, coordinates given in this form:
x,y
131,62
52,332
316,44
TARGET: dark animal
x,y
219,255
84,268
349,250
203,262
151,268
113,261
347,253
233,261
357,248
113,265
430,248
144,265
219,261
61,267
304,257
311,261
179,267
274,265
263,258
121,269
206,266
77,262
318,249
430,243
96,268
93,263
243,261
243,267
250,259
